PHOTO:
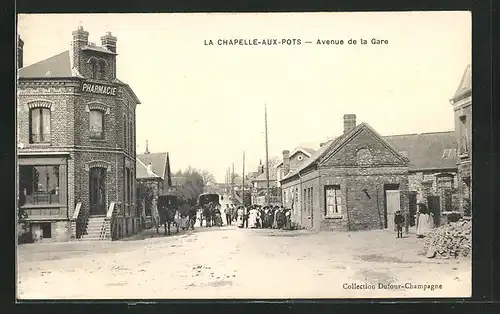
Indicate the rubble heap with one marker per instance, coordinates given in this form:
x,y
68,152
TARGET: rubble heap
x,y
452,240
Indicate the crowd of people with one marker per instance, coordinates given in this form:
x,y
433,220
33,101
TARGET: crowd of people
x,y
257,216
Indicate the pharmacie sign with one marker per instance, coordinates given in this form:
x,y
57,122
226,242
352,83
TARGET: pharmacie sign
x,y
100,89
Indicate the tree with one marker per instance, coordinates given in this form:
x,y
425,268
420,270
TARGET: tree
x,y
195,182
207,176
273,162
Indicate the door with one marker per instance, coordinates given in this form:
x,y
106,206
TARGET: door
x,y
392,202
97,189
434,207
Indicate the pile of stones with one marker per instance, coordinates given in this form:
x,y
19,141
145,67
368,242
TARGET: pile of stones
x,y
450,241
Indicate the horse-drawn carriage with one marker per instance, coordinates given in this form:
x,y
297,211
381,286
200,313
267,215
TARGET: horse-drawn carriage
x,y
210,209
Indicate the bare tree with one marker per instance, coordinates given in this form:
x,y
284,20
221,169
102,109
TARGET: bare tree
x,y
273,162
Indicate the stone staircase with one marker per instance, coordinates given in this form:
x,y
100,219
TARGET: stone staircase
x,y
95,230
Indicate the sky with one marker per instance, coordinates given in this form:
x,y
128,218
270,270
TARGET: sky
x,y
204,104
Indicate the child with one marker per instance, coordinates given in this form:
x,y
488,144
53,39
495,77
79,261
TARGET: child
x,y
399,221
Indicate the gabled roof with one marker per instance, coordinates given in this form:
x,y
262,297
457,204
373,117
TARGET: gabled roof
x,y
141,171
305,150
158,162
427,150
58,66
329,148
465,83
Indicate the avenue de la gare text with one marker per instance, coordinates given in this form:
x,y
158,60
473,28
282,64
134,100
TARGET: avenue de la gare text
x,y
290,42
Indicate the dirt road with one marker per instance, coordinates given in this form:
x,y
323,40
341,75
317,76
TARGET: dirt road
x,y
229,262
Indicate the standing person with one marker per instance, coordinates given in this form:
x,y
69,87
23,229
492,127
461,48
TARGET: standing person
x,y
245,216
399,220
240,214
423,220
227,212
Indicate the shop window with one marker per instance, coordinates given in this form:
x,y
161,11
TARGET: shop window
x,y
46,230
96,119
38,185
39,125
333,201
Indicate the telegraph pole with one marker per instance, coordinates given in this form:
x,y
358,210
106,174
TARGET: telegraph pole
x,y
267,156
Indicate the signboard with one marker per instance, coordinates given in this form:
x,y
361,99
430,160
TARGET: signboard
x,y
99,89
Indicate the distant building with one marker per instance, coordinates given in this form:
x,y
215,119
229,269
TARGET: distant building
x,y
462,108
76,143
291,161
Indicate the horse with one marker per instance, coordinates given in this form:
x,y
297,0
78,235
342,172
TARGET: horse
x,y
167,217
192,217
207,214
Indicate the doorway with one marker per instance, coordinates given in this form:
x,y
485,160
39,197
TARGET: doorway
x,y
392,204
97,191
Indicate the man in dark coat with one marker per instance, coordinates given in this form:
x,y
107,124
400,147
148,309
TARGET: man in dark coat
x,y
399,220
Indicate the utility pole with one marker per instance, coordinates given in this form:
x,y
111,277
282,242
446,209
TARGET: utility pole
x,y
232,182
243,179
267,156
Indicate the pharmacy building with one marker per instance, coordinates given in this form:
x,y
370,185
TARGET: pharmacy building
x,y
76,138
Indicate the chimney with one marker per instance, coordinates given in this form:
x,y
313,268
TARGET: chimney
x,y
109,42
286,162
260,168
80,39
150,169
20,45
349,122
147,149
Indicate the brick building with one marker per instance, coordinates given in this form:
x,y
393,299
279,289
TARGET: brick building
x,y
76,144
292,160
462,108
358,180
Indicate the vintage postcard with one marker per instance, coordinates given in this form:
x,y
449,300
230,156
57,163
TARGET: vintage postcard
x,y
244,155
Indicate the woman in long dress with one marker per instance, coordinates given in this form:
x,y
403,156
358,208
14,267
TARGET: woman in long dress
x,y
424,221
252,218
240,217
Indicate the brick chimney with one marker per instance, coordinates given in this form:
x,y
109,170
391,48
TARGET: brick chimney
x,y
286,162
349,122
109,42
20,45
80,39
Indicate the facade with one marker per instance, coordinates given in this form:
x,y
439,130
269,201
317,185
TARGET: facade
x,y
462,108
149,187
76,143
259,186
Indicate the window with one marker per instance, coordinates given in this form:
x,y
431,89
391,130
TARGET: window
x,y
39,125
93,68
305,200
131,136
96,119
38,185
333,201
102,69
463,136
124,132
